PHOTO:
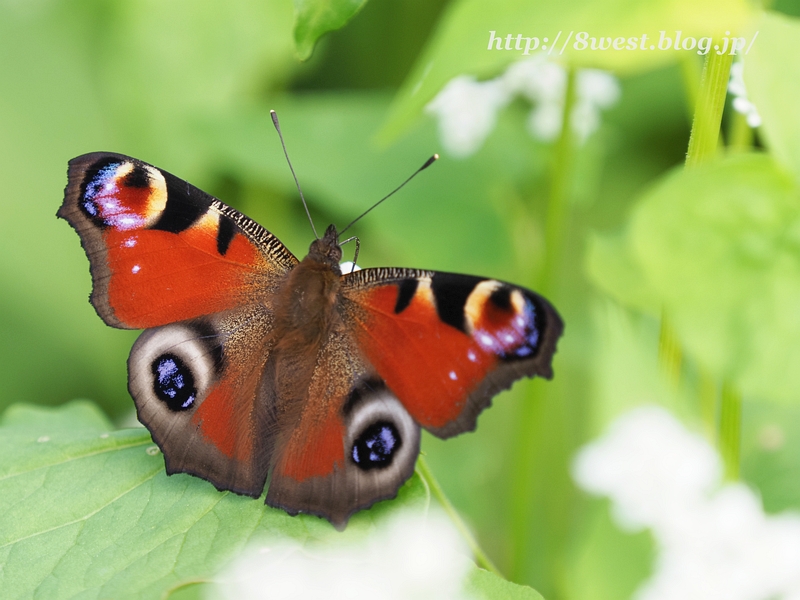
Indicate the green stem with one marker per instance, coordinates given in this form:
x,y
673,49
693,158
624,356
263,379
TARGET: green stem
x,y
559,191
708,111
481,558
708,403
669,352
730,429
702,148
741,135
523,486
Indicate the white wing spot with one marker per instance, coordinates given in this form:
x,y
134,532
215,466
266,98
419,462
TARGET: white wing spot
x,y
453,375
509,338
486,339
472,356
136,269
129,243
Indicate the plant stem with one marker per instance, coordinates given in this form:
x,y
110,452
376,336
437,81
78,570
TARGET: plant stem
x,y
481,558
702,148
559,191
708,403
730,429
741,135
527,465
708,111
669,352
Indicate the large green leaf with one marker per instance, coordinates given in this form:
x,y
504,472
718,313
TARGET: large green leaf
x,y
314,18
719,247
89,512
461,42
772,75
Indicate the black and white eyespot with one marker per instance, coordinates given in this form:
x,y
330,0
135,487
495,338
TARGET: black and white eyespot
x,y
172,366
382,438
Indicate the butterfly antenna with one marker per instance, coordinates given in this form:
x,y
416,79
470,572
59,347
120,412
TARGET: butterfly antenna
x,y
427,164
274,116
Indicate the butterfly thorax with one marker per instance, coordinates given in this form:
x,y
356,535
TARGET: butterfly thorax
x,y
306,304
305,315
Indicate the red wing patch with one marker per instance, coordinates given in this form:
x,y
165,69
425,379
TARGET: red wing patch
x,y
158,277
430,365
160,249
315,448
445,343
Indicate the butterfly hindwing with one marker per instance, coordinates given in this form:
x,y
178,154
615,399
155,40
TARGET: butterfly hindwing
x,y
351,445
445,344
196,386
162,250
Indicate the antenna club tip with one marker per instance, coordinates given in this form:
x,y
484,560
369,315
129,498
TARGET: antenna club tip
x,y
274,116
429,162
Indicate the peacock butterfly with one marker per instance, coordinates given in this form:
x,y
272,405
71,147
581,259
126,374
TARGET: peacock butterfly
x,y
253,362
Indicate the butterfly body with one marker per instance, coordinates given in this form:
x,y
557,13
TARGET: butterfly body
x,y
253,363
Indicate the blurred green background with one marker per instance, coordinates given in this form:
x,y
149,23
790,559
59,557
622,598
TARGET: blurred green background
x,y
187,86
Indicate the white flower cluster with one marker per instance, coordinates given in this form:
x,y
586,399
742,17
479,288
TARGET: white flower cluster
x,y
467,109
740,101
410,556
714,542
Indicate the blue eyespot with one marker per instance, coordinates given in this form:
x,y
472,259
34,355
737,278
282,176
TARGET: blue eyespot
x,y
173,382
376,446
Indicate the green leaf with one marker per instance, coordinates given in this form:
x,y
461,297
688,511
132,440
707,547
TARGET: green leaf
x,y
719,246
314,18
612,268
772,76
89,512
78,415
483,584
460,45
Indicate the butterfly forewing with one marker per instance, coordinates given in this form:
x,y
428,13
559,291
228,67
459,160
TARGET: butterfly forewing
x,y
162,250
446,343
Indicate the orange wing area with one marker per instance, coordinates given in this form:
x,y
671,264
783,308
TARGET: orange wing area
x,y
431,366
316,446
158,277
216,419
162,250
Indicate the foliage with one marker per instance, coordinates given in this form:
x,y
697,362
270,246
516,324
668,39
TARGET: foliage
x,y
128,530
188,86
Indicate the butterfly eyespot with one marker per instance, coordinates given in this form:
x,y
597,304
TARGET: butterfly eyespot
x,y
173,367
382,441
173,382
376,446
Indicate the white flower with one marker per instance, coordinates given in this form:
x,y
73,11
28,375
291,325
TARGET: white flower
x,y
467,109
410,556
713,542
596,90
467,113
740,102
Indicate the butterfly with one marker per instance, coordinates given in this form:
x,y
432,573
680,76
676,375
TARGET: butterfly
x,y
254,363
